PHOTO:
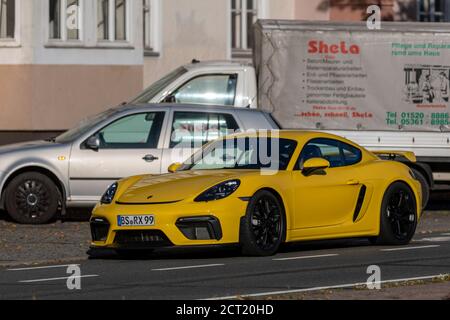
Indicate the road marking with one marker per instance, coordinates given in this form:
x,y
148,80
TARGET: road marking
x,y
306,257
340,286
412,248
189,267
57,279
46,267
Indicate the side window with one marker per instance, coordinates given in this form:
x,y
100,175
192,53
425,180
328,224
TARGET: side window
x,y
339,154
210,89
136,131
194,129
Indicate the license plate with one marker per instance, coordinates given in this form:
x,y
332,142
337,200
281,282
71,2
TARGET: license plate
x,y
136,221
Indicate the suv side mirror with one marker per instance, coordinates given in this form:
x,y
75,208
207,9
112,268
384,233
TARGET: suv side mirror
x,y
174,167
314,165
93,143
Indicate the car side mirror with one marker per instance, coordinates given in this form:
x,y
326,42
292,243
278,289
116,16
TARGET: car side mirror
x,y
170,99
315,165
93,143
174,167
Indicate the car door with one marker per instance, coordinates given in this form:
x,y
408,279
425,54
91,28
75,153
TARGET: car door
x,y
130,145
190,130
327,198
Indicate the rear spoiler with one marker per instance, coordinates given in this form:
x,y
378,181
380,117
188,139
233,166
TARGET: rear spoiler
x,y
392,154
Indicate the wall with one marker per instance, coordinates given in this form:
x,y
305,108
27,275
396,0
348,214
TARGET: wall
x,y
191,29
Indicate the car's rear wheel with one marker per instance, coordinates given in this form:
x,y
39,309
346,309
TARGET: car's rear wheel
x,y
32,198
398,215
263,227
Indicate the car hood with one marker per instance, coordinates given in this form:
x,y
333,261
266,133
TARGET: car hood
x,y
175,187
25,146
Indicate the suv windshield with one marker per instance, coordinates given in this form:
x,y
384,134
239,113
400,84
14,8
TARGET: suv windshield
x,y
158,86
84,126
243,153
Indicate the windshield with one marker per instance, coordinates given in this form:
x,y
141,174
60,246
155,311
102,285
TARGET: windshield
x,y
243,153
84,126
158,86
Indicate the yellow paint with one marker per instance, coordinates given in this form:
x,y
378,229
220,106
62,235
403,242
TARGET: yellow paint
x,y
317,206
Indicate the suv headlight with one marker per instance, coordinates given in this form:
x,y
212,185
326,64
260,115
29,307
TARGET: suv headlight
x,y
219,191
110,193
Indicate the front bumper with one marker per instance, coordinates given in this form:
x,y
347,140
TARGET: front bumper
x,y
177,224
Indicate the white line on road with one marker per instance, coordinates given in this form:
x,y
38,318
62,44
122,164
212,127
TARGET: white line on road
x,y
57,279
411,248
189,267
46,267
306,257
340,286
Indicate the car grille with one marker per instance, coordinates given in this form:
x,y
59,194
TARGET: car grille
x,y
99,229
153,238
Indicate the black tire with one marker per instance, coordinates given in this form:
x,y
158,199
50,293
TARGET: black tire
x,y
398,215
32,198
263,228
425,187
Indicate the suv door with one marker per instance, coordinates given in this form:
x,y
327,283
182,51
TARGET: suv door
x,y
188,131
130,145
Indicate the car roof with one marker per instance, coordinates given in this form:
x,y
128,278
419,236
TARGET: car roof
x,y
199,107
292,134
217,64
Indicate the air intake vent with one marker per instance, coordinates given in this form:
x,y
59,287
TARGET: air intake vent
x,y
359,203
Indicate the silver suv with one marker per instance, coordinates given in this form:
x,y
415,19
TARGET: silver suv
x,y
39,179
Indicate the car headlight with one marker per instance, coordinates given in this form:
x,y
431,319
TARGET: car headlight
x,y
219,191
110,193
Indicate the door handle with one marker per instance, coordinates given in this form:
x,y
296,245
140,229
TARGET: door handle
x,y
150,158
352,182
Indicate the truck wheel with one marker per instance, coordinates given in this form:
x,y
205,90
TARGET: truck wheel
x,y
32,198
398,216
263,227
425,187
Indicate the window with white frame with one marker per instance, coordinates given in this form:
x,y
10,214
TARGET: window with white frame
x,y
433,10
7,19
64,20
244,14
150,9
112,23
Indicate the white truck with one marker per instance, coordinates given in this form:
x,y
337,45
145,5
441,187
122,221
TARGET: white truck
x,y
386,89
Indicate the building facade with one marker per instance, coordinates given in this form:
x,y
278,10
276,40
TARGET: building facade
x,y
62,60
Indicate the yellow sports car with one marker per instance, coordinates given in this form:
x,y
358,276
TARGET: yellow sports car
x,y
260,190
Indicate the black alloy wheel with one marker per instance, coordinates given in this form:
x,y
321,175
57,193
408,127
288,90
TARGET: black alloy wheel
x,y
263,227
32,198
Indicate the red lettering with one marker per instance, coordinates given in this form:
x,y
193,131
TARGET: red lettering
x,y
322,47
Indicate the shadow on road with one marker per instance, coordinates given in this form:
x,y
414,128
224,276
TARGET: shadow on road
x,y
219,252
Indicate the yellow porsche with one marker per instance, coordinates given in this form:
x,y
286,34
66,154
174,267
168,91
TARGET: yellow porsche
x,y
260,190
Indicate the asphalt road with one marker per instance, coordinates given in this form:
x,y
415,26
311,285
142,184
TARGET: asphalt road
x,y
218,273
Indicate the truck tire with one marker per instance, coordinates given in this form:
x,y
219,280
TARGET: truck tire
x,y
398,219
425,187
32,198
263,228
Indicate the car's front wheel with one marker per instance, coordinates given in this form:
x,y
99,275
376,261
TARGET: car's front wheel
x,y
263,227
32,198
398,215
